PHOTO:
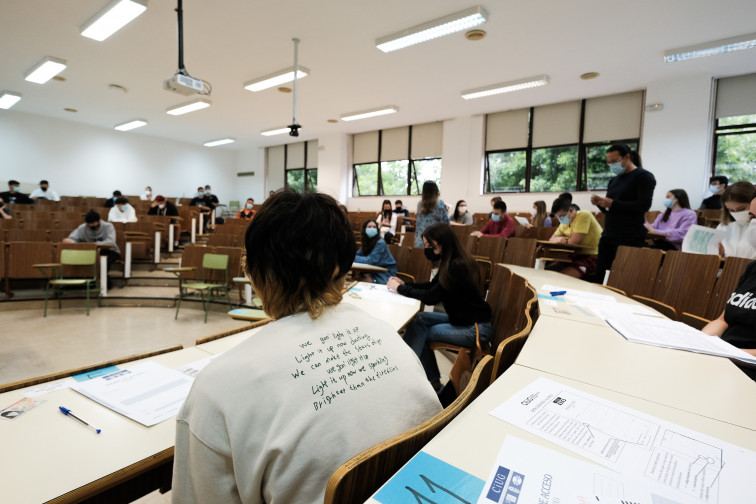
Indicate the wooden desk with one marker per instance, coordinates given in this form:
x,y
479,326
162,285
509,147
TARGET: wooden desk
x,y
474,427
396,314
366,267
704,385
55,458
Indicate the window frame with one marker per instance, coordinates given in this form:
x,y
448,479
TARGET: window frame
x,y
307,171
727,130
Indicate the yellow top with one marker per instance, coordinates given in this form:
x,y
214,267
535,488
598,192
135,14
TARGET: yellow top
x,y
584,222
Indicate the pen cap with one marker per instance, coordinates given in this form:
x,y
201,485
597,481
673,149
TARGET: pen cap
x,y
65,411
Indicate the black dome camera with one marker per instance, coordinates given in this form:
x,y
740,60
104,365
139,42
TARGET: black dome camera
x,y
294,129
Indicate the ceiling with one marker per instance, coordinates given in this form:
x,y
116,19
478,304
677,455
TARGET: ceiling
x,y
230,42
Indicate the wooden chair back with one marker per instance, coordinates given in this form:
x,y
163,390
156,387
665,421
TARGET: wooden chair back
x,y
22,255
401,255
419,266
520,252
361,476
685,281
480,220
509,349
652,215
634,270
234,262
408,239
544,233
462,232
470,244
491,248
29,235
192,257
497,292
733,269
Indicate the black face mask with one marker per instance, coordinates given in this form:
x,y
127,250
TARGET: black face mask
x,y
430,255
94,228
398,209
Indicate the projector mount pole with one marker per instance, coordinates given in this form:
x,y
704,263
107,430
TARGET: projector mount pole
x,y
294,126
180,12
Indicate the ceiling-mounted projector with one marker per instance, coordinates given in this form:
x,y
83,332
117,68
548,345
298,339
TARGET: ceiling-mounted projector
x,y
183,84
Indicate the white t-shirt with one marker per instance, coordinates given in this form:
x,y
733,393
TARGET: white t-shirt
x,y
270,420
48,195
115,215
736,242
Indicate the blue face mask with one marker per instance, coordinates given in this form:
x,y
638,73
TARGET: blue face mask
x,y
371,232
668,203
249,206
564,220
714,188
495,217
123,208
200,194
616,168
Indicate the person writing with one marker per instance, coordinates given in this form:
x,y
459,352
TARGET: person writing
x,y
461,217
628,198
674,222
500,224
268,422
457,285
374,251
579,228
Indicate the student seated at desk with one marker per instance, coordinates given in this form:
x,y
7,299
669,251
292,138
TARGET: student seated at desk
x,y
735,220
461,217
269,421
580,228
387,219
374,251
248,211
538,215
674,222
500,224
457,286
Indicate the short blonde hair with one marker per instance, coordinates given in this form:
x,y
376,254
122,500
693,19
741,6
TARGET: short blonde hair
x,y
299,248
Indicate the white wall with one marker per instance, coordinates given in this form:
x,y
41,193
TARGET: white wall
x,y
85,160
250,186
675,147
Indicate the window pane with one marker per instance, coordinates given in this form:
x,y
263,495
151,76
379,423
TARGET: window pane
x,y
295,180
365,179
394,175
506,171
425,169
312,180
732,121
554,169
598,170
736,157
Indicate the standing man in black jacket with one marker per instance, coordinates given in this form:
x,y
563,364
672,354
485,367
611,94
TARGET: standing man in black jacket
x,y
627,200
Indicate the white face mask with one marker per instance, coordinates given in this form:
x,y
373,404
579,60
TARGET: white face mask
x,y
462,209
741,218
533,212
161,207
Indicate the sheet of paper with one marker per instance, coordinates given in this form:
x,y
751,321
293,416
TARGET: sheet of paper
x,y
147,393
671,334
575,295
604,310
522,220
702,240
378,292
633,443
94,374
525,472
49,387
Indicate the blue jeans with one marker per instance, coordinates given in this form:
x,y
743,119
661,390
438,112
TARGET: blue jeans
x,y
429,327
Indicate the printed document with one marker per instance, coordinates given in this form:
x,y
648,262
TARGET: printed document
x,y
633,443
529,473
702,240
147,393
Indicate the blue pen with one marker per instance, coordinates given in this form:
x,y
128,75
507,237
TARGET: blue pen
x,y
68,412
558,293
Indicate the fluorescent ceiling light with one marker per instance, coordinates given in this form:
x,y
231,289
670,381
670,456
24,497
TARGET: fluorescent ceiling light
x,y
506,87
275,131
48,68
222,141
185,108
136,123
446,25
276,78
353,116
711,48
8,99
112,18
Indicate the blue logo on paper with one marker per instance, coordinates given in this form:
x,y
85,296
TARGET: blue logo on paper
x,y
514,488
497,485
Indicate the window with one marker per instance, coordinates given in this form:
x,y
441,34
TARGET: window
x,y
559,147
735,128
300,160
735,144
414,153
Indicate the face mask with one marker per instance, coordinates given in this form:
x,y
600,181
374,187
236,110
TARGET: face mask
x,y
148,191
751,233
200,194
371,232
741,217
249,206
669,203
161,207
13,189
462,209
616,168
564,220
207,192
398,209
44,188
495,217
714,188
95,228
533,212
123,208
431,256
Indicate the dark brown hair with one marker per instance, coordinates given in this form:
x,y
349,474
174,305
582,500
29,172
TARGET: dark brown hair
x,y
369,243
299,247
430,197
741,192
452,251
682,199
